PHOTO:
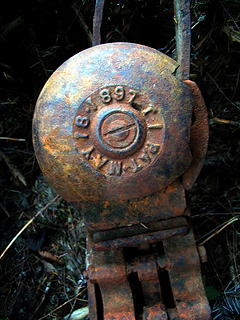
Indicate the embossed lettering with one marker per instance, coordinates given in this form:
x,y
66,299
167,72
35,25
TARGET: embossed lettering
x,y
78,135
119,130
153,148
155,126
145,157
105,94
147,110
119,92
150,108
82,121
87,153
136,166
115,168
93,106
101,162
133,94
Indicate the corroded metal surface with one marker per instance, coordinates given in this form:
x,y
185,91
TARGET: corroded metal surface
x,y
160,281
113,133
120,140
105,215
111,118
199,136
182,21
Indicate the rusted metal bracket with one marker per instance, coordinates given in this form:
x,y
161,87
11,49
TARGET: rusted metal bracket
x,y
154,282
146,270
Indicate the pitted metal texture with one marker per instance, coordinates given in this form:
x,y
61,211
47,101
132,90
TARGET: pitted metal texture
x,y
111,118
114,123
119,131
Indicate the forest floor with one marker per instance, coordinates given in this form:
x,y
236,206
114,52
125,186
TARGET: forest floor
x,y
42,274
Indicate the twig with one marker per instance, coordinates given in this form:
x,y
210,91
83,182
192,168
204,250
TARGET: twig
x,y
220,90
7,103
228,13
215,214
217,230
28,224
15,171
12,139
82,22
43,297
13,25
59,307
41,62
4,210
225,121
48,255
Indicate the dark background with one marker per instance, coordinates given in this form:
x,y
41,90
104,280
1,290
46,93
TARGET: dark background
x,y
35,38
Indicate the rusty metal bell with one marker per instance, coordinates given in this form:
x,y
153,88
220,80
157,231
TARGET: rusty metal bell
x,y
113,123
113,133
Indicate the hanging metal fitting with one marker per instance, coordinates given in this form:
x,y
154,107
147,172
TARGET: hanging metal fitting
x,y
114,134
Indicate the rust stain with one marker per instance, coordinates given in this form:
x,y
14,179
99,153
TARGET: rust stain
x,y
123,130
199,136
112,134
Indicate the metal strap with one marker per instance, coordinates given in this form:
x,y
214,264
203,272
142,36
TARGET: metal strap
x,y
183,37
97,22
182,28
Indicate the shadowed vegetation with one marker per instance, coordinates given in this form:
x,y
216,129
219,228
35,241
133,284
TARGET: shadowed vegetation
x,y
41,276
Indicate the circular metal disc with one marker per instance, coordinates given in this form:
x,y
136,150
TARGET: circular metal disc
x,y
112,123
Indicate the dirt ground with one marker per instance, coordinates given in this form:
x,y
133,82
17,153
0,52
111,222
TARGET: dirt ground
x,y
42,274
